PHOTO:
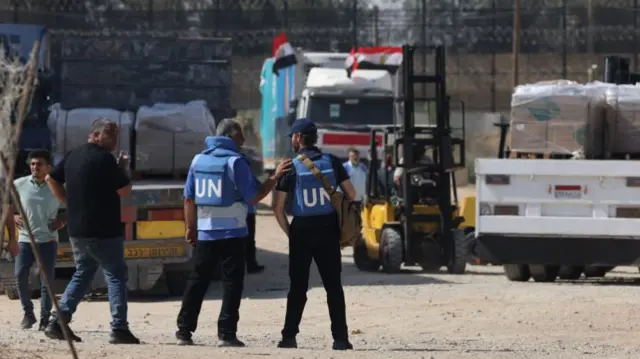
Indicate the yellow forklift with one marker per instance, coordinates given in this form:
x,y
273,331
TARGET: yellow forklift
x,y
417,222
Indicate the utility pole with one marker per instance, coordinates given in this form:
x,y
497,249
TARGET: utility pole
x,y
515,66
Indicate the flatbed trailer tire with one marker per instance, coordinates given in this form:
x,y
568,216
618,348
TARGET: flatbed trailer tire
x,y
544,273
570,272
517,272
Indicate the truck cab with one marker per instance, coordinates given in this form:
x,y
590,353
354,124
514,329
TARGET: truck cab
x,y
344,107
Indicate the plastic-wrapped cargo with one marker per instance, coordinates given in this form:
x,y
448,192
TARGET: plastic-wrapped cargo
x,y
558,117
623,120
69,129
169,135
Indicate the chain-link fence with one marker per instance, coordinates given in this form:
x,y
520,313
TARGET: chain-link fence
x,y
559,38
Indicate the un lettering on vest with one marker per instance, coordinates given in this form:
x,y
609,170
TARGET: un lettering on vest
x,y
313,197
209,187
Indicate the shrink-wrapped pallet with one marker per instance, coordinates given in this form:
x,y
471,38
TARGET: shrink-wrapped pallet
x,y
622,120
558,117
169,135
70,128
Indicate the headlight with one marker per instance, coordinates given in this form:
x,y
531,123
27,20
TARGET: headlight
x,y
485,209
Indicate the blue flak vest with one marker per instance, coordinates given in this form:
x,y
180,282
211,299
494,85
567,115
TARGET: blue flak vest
x,y
220,204
310,198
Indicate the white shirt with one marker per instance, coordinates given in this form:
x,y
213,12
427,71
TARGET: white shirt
x,y
358,177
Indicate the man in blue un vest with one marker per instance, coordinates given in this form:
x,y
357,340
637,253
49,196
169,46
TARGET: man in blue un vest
x,y
314,233
218,192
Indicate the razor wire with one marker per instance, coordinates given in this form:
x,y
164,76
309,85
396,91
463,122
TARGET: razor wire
x,y
559,38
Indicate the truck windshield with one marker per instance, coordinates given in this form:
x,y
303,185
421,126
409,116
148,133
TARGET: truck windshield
x,y
350,111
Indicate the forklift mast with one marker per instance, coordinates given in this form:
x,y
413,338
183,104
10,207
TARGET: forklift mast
x,y
440,139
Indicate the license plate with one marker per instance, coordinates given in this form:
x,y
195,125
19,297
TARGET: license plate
x,y
154,252
567,192
65,256
135,253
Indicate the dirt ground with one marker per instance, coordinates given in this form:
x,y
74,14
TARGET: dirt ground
x,y
408,315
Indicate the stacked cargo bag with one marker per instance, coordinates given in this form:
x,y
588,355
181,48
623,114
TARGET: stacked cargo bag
x,y
71,128
622,135
557,117
169,135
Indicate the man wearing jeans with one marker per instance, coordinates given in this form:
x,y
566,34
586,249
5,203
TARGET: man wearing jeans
x,y
41,211
95,181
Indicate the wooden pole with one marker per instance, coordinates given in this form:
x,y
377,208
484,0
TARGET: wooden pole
x,y
516,43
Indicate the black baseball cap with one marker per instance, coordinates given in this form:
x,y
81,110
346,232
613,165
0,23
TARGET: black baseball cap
x,y
303,125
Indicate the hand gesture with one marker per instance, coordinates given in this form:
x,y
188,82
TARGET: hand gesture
x,y
283,167
17,219
123,160
191,236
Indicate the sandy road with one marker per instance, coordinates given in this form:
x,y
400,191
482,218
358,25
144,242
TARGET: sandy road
x,y
410,315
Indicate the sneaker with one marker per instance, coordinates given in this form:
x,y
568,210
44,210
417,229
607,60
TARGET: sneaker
x,y
123,336
233,342
28,321
54,331
288,343
184,338
255,269
44,322
342,345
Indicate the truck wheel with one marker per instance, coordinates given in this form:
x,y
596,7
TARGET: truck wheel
x,y
595,271
517,272
12,292
461,252
176,282
391,250
570,272
362,259
543,273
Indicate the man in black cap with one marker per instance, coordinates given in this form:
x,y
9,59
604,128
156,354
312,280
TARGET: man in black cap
x,y
314,233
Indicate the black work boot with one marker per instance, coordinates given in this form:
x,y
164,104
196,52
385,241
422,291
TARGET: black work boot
x,y
232,341
54,331
28,321
342,345
184,338
288,343
44,321
123,336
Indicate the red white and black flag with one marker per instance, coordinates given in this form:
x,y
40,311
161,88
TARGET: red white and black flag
x,y
375,58
282,53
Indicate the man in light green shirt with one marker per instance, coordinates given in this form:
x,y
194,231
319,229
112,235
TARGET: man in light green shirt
x,y
41,211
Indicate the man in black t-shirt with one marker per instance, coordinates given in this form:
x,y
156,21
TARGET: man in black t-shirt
x,y
95,180
314,233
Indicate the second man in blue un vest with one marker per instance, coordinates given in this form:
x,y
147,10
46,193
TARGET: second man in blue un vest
x,y
218,192
314,233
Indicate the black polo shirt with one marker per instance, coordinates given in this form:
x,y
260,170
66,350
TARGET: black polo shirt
x,y
92,177
287,184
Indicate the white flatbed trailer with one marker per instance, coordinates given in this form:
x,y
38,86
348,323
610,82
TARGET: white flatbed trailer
x,y
550,214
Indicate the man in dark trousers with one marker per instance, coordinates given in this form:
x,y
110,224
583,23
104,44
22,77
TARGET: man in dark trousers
x,y
252,262
313,234
95,180
218,192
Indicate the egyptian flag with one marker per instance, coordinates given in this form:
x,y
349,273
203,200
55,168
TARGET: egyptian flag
x,y
282,53
375,58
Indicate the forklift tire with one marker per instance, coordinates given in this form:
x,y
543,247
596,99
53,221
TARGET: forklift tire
x,y
12,292
176,282
361,257
543,273
461,252
570,272
517,272
391,250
